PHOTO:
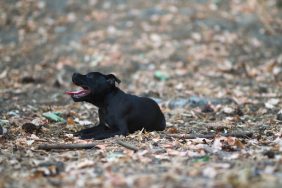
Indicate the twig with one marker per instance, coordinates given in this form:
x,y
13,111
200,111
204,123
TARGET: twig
x,y
66,146
127,145
211,136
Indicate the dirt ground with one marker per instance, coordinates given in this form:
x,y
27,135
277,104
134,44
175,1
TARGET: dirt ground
x,y
214,67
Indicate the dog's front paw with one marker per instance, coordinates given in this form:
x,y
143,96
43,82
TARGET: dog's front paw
x,y
78,133
87,136
94,136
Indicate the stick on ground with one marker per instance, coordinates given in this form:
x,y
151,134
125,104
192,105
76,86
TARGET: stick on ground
x,y
127,145
66,146
211,136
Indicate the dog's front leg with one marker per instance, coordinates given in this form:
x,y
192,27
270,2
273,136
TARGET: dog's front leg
x,y
92,130
100,135
119,129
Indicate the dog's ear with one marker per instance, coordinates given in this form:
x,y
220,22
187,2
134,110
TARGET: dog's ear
x,y
112,79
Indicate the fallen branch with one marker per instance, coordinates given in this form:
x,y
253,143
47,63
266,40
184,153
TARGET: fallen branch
x,y
127,145
66,146
211,136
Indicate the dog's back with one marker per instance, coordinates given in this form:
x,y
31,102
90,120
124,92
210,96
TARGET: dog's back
x,y
144,113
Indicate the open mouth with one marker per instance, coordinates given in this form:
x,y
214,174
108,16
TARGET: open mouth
x,y
84,91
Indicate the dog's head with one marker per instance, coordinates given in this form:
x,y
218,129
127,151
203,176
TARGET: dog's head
x,y
95,86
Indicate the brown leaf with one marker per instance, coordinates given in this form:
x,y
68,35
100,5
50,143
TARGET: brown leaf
x,y
70,121
172,130
239,144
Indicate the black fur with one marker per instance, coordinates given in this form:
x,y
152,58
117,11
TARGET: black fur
x,y
119,113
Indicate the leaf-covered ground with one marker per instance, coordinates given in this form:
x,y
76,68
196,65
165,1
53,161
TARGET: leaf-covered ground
x,y
214,67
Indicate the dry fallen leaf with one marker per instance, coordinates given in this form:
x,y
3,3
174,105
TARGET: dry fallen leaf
x,y
172,130
70,121
214,68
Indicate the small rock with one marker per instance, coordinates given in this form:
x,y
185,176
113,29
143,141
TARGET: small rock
x,y
233,111
2,130
29,142
228,110
279,115
209,172
39,121
83,122
271,103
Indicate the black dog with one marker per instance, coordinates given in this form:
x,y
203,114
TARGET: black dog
x,y
119,113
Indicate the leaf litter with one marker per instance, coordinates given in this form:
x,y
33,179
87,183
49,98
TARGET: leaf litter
x,y
214,67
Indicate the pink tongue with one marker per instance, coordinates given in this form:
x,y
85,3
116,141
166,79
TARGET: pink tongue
x,y
74,92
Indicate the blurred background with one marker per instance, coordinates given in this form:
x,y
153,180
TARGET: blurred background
x,y
165,48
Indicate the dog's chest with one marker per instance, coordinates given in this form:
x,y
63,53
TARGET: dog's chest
x,y
107,117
